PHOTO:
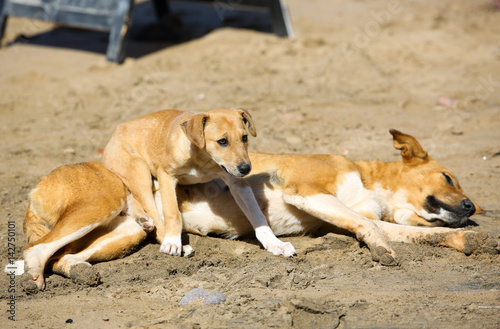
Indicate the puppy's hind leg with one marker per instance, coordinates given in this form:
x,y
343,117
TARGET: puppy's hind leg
x,y
135,210
317,202
135,173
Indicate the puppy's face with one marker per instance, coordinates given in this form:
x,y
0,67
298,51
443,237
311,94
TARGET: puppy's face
x,y
223,135
226,140
432,190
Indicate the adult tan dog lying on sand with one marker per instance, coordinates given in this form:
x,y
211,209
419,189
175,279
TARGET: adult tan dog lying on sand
x,y
177,147
80,211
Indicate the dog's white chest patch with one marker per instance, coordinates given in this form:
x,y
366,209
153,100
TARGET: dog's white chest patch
x,y
351,191
400,209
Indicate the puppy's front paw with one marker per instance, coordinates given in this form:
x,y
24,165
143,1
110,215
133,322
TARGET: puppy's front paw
x,y
282,248
146,223
272,243
172,245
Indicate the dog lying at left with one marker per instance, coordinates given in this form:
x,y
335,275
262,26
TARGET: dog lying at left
x,y
82,213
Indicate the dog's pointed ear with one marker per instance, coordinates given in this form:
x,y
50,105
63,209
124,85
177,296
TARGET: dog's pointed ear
x,y
194,129
410,148
248,121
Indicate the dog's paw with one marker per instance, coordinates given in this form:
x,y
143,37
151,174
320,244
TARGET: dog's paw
x,y
282,248
383,256
32,283
272,243
478,243
146,223
85,274
172,245
187,251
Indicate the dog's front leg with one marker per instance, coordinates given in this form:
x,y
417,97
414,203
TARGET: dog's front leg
x,y
330,209
171,241
243,194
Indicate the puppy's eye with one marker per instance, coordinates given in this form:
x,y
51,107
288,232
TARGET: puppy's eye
x,y
222,142
244,138
448,180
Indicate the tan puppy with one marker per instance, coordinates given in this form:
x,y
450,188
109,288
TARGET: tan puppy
x,y
179,147
299,194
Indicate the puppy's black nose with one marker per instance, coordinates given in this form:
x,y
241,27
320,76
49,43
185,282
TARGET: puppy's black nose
x,y
468,207
244,168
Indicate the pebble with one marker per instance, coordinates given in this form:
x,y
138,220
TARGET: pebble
x,y
69,151
208,297
445,101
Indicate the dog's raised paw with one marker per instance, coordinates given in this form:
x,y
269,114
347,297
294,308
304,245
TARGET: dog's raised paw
x,y
85,274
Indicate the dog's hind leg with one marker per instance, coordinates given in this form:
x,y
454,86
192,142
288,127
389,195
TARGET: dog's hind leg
x,y
103,244
71,227
459,239
319,203
37,254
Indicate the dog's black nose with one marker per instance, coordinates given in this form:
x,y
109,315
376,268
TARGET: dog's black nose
x,y
244,168
468,207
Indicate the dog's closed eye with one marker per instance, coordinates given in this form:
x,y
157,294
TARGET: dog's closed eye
x,y
448,179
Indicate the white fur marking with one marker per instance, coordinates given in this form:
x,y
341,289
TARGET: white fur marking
x,y
354,195
172,245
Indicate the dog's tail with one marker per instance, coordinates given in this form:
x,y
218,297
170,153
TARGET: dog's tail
x,y
43,212
34,227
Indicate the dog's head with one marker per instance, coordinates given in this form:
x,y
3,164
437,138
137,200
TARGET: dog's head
x,y
432,189
223,135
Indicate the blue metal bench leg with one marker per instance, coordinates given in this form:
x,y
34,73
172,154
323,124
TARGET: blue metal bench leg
x,y
162,8
3,20
281,24
119,29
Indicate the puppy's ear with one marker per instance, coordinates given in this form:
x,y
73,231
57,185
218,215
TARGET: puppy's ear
x,y
410,148
247,119
194,129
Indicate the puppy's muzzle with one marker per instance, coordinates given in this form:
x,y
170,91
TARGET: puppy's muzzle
x,y
244,168
241,169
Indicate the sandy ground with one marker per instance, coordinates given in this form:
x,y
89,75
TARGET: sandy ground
x,y
355,70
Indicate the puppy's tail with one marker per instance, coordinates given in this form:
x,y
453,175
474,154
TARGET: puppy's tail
x,y
34,227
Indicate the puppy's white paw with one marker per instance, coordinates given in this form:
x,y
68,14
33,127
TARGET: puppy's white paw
x,y
172,245
282,248
272,243
187,251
